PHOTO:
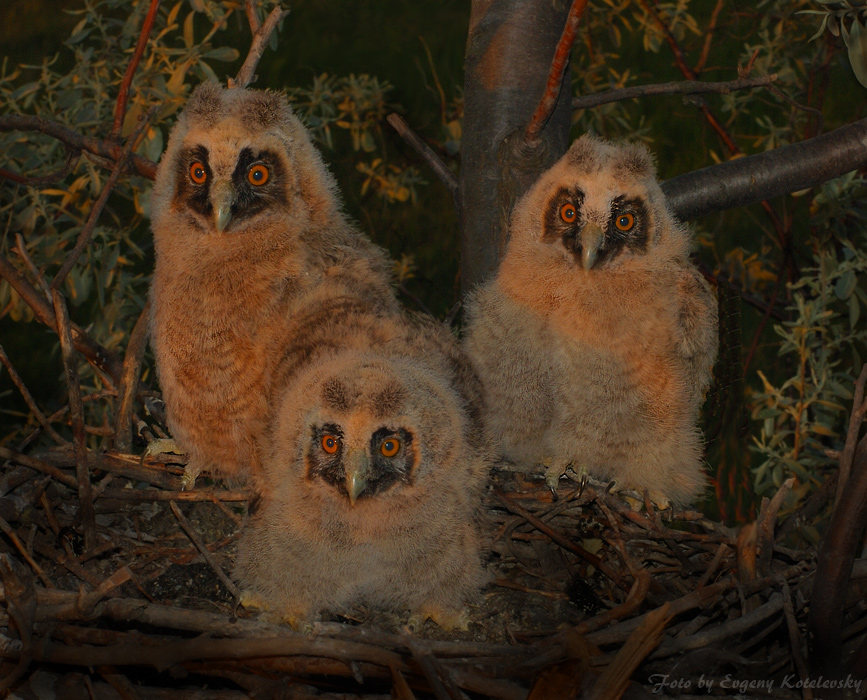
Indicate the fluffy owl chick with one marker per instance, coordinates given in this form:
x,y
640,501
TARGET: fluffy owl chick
x,y
369,492
246,221
596,340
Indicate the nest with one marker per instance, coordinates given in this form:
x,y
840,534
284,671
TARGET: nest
x,y
588,598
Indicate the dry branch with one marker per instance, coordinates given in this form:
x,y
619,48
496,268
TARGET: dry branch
x,y
261,37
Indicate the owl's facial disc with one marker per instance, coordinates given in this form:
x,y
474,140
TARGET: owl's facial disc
x,y
592,238
226,194
361,471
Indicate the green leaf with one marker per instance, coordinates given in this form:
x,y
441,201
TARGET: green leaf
x,y
856,42
224,53
188,30
846,284
854,311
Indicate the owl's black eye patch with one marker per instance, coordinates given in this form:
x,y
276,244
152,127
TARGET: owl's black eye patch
x,y
252,197
563,215
628,225
387,471
196,194
321,463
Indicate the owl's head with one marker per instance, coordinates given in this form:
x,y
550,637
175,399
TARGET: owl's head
x,y
598,206
235,160
364,428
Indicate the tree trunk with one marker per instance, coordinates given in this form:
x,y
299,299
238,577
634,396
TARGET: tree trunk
x,y
509,50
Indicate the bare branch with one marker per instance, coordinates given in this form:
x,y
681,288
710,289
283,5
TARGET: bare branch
x,y
446,176
123,94
96,210
28,398
683,87
260,40
72,157
128,385
252,15
75,141
764,176
558,69
76,410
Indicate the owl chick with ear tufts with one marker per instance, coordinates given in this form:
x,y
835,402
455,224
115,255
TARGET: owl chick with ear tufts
x,y
596,340
372,478
246,222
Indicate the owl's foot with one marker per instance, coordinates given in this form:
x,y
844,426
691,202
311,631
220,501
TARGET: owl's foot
x,y
162,446
296,618
554,470
447,619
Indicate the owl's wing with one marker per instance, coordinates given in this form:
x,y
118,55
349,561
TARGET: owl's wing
x,y
697,327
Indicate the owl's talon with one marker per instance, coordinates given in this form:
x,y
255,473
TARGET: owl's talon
x,y
660,501
188,478
446,619
553,472
162,446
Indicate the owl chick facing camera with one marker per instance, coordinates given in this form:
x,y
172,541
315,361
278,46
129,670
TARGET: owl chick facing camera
x,y
596,340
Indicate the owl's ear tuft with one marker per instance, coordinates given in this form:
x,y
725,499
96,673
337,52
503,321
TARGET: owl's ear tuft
x,y
584,154
206,102
389,401
634,161
265,109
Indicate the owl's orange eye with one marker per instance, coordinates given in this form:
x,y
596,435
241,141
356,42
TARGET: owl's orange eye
x,y
568,213
624,222
330,444
390,447
258,175
198,174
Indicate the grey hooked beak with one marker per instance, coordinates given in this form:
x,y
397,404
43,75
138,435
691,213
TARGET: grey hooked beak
x,y
357,471
222,199
591,241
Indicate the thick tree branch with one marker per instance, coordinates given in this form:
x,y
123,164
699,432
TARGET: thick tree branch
x,y
763,176
75,141
123,94
558,70
683,87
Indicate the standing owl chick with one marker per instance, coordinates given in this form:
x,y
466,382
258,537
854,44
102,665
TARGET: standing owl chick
x,y
372,480
596,340
246,220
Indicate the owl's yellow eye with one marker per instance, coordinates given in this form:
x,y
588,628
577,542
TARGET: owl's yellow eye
x,y
390,447
258,175
624,222
330,444
198,174
568,213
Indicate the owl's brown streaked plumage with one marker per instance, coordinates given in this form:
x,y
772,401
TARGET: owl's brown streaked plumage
x,y
246,222
596,340
371,482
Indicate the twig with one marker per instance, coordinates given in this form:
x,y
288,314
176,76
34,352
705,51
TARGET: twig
x,y
684,87
711,27
719,633
128,385
555,76
428,664
260,40
98,356
28,398
252,15
634,600
96,209
615,678
123,93
200,545
562,541
22,550
77,142
446,176
859,411
76,411
767,520
38,465
795,639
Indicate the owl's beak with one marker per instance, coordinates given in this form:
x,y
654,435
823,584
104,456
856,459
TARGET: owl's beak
x,y
357,471
222,199
591,240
